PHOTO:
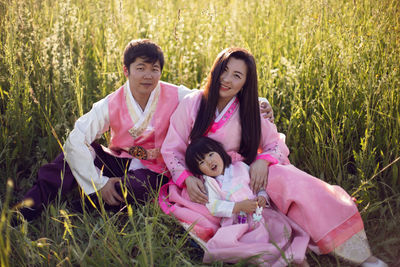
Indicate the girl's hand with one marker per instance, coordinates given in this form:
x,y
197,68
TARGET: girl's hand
x,y
258,175
109,194
196,190
261,201
247,206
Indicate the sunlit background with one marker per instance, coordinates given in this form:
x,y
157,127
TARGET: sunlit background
x,y
330,69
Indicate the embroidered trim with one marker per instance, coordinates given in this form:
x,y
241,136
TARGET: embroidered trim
x,y
228,114
141,153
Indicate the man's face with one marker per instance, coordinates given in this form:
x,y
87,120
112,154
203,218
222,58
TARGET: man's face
x,y
143,77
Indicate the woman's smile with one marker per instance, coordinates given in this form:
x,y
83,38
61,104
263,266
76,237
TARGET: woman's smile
x,y
224,87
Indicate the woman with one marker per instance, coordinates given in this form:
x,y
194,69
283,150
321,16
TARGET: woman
x,y
227,111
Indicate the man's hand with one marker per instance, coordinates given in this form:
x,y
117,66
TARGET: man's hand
x,y
109,194
266,110
247,206
196,190
258,175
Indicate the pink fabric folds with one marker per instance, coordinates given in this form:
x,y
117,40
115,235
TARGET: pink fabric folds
x,y
324,211
341,234
205,225
274,241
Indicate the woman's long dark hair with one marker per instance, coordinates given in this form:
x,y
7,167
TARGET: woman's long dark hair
x,y
248,100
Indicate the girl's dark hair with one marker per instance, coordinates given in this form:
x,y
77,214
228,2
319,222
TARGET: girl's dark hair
x,y
248,103
143,48
198,148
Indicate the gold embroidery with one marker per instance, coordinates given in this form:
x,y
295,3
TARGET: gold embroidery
x,y
138,152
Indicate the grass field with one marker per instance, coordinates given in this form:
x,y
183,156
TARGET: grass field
x,y
330,68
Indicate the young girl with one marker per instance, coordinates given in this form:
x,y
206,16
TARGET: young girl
x,y
267,233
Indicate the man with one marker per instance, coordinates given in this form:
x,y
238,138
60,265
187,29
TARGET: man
x,y
137,114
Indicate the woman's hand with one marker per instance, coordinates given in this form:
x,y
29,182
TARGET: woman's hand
x,y
196,190
266,111
109,194
247,206
258,175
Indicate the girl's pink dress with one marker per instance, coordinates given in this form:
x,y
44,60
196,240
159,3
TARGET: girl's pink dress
x,y
275,239
326,212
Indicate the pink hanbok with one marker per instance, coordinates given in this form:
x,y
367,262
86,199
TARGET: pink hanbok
x,y
326,212
273,237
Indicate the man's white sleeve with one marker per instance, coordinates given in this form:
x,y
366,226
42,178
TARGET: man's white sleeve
x,y
78,152
182,91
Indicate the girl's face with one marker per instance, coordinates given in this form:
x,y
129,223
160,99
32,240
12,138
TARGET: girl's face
x,y
232,79
212,164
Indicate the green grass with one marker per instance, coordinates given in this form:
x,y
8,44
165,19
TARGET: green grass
x,y
330,68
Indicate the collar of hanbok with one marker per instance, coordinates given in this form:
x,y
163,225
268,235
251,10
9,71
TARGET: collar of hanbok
x,y
230,185
141,118
225,115
224,179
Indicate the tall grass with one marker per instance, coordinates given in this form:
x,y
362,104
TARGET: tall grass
x,y
330,68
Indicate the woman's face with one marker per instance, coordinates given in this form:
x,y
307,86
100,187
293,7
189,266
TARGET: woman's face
x,y
232,80
212,164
